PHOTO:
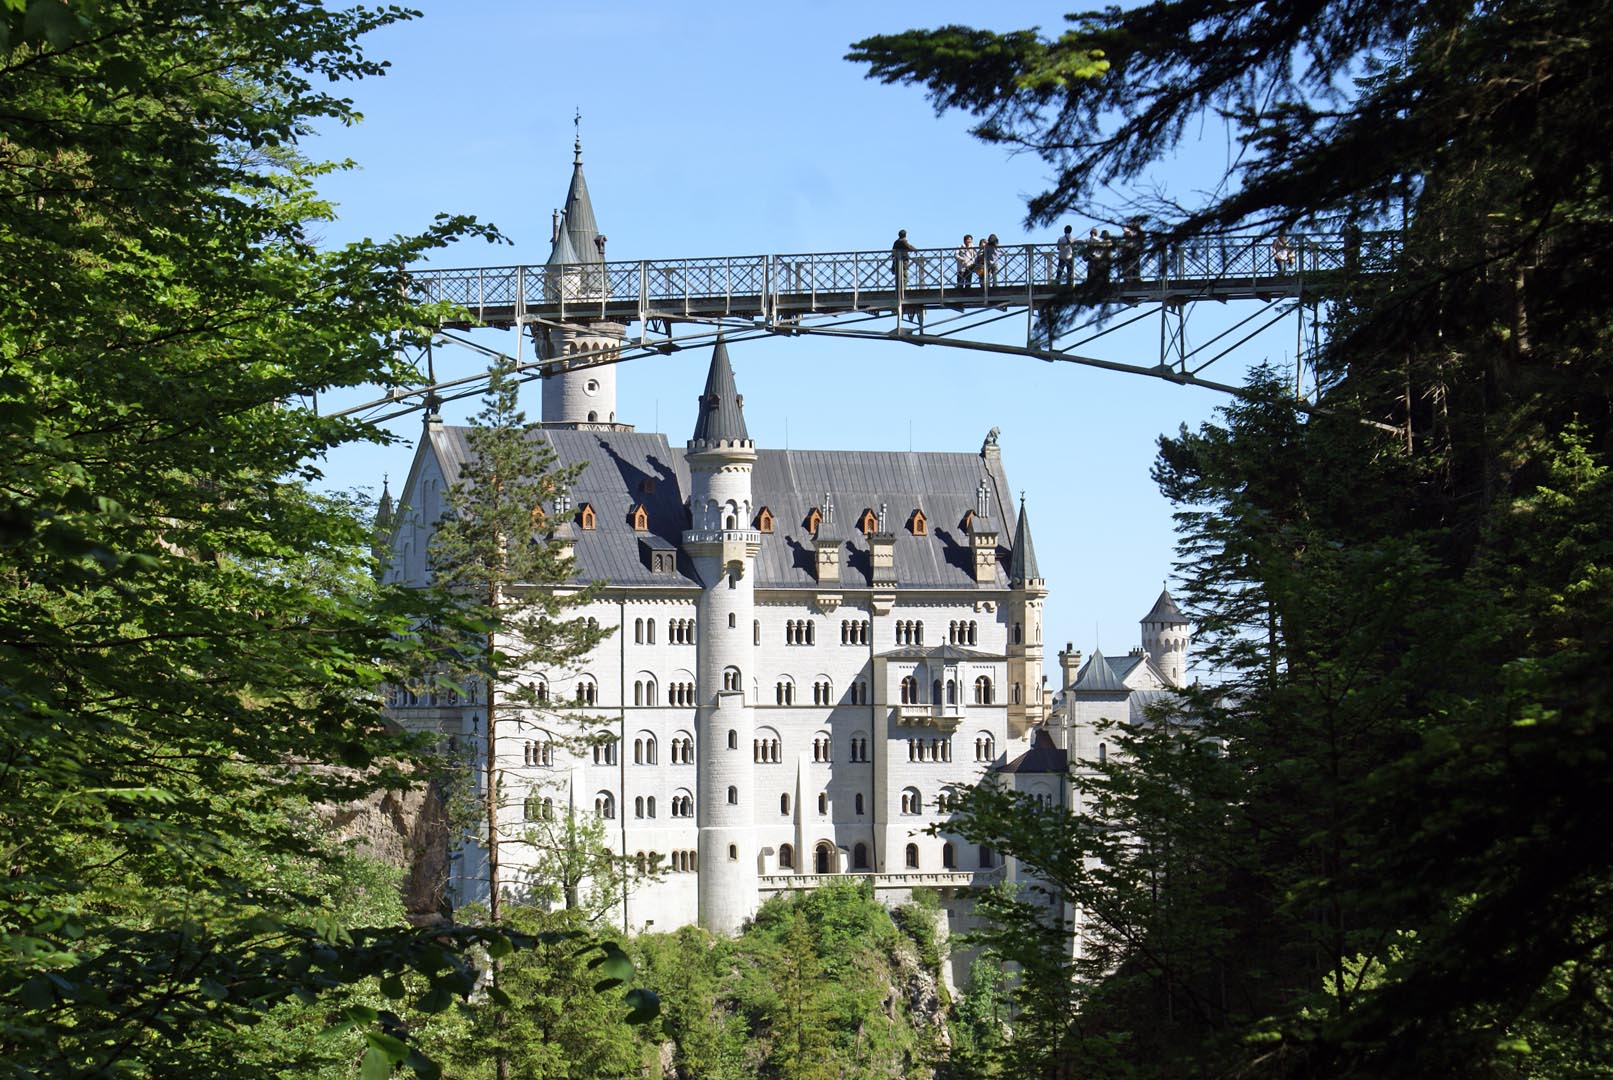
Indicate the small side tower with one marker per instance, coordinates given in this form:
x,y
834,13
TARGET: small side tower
x,y
1029,589
579,390
723,544
1166,636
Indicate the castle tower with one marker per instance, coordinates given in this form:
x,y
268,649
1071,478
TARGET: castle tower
x,y
1029,589
723,544
1166,636
578,389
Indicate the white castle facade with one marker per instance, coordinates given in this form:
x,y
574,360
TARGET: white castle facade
x,y
811,651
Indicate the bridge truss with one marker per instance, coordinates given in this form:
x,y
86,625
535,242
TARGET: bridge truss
x,y
668,305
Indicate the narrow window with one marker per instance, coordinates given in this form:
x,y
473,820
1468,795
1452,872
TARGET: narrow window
x,y
912,856
732,620
733,852
786,857
733,739
859,802
784,804
823,803
948,861
733,795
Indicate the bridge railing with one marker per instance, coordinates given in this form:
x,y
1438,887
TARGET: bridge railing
x,y
752,283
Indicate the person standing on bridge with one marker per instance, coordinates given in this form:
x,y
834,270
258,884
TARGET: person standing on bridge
x,y
965,256
988,260
1282,253
1066,252
901,251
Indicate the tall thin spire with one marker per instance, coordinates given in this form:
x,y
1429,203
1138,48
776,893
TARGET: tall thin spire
x,y
578,231
721,417
1022,560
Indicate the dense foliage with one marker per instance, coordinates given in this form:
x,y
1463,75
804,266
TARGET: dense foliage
x,y
1380,850
189,636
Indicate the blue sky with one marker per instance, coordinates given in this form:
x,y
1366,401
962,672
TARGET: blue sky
x,y
737,128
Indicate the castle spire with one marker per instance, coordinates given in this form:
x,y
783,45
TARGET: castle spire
x,y
721,418
1022,560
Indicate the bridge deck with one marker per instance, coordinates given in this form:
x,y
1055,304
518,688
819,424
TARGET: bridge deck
x,y
781,287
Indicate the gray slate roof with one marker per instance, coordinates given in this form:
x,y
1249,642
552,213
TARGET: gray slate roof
x,y
577,222
1098,677
1165,611
1022,563
721,416
789,482
1042,757
938,652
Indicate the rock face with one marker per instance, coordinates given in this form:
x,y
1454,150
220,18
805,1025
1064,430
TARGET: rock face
x,y
406,829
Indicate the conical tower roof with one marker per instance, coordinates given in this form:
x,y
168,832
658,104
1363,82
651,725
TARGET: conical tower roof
x,y
562,251
383,513
1165,611
1022,560
721,415
578,220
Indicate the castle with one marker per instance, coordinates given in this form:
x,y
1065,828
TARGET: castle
x,y
811,651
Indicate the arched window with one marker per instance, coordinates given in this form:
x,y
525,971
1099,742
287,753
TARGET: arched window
x,y
859,803
548,810
730,678
859,857
733,795
823,803
784,804
756,631
733,852
605,805
786,857
974,633
638,631
935,691
912,801
1103,753
531,808
912,856
638,751
983,690
1019,634
1016,694
649,631
733,739
638,807
638,693
733,620
952,692
910,690
823,858
948,859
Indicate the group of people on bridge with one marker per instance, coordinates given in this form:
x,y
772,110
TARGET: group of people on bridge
x,y
1099,250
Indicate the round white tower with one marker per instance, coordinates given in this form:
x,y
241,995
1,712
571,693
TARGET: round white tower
x,y
723,544
577,387
1166,636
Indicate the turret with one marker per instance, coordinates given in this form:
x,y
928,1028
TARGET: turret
x,y
579,382
1166,636
1025,705
381,537
722,543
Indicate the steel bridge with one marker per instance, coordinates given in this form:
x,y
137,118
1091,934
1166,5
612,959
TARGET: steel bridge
x,y
681,303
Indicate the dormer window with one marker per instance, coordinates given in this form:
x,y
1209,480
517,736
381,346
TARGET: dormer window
x,y
968,520
641,519
917,524
586,517
764,520
814,519
869,522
